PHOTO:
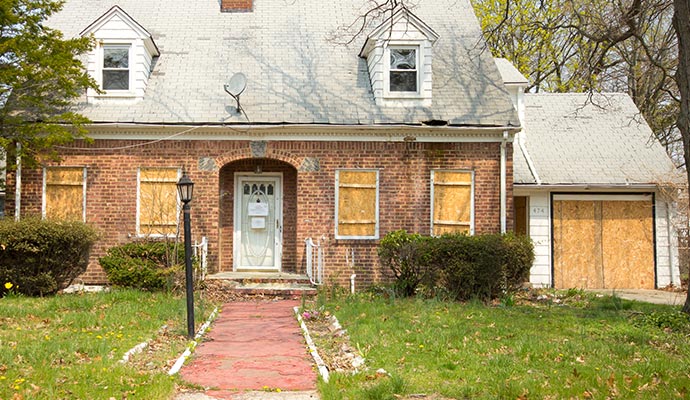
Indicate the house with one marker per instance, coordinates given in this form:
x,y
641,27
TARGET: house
x,y
298,121
288,131
593,189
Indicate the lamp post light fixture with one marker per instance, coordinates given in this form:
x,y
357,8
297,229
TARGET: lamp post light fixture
x,y
185,188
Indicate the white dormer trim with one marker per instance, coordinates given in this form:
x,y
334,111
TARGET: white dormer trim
x,y
117,28
403,30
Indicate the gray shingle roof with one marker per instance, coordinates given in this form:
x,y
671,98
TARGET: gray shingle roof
x,y
578,139
509,73
295,74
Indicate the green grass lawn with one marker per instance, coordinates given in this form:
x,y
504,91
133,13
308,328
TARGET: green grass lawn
x,y
69,346
584,347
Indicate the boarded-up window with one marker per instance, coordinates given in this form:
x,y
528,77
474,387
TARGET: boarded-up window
x,y
357,209
452,202
64,193
157,208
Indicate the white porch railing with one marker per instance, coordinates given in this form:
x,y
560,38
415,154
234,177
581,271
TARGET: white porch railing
x,y
314,257
200,254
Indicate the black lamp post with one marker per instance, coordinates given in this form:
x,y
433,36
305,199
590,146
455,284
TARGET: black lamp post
x,y
185,188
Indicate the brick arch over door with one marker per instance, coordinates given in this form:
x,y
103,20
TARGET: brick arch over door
x,y
226,208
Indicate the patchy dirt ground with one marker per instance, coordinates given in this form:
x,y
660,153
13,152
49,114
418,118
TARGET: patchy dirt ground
x,y
332,342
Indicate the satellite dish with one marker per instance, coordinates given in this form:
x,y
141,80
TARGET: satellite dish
x,y
235,87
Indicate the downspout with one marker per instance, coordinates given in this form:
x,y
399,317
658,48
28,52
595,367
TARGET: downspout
x,y
18,184
503,182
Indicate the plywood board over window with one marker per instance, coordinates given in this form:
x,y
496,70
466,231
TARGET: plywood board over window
x,y
452,204
64,193
357,209
157,209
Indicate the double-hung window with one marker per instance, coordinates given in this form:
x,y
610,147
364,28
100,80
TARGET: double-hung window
x,y
403,70
452,202
157,205
116,67
357,204
64,193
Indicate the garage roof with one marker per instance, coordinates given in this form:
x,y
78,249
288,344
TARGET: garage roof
x,y
583,138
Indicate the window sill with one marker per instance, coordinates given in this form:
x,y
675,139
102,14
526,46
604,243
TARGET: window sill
x,y
115,94
157,236
357,239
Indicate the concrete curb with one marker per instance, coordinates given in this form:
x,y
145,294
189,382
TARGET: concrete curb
x,y
188,352
323,369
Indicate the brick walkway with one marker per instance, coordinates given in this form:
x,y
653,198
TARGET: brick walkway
x,y
252,346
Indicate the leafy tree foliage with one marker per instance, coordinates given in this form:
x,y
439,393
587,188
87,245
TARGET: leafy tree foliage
x,y
40,77
593,45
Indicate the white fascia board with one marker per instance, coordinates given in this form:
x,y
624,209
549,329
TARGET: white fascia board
x,y
381,33
388,133
586,187
136,27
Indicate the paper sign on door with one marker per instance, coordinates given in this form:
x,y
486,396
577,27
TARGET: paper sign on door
x,y
258,222
258,210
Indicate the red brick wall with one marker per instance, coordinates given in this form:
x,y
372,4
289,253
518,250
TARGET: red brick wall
x,y
235,5
308,170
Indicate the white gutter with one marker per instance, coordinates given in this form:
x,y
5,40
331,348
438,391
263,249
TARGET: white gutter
x,y
503,182
530,163
589,186
18,185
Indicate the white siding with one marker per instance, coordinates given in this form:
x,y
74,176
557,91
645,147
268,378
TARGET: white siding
x,y
667,271
540,232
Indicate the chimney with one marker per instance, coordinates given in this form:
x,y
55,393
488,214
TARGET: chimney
x,y
236,5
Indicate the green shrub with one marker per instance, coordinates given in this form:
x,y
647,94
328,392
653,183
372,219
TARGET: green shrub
x,y
408,257
40,257
150,265
460,266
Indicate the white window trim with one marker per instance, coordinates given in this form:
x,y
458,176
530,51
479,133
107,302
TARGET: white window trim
x,y
45,186
387,93
138,219
100,54
337,202
471,172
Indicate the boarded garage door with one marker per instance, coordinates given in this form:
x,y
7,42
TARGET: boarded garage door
x,y
603,242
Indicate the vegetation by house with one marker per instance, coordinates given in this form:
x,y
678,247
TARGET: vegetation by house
x,y
548,345
70,346
457,266
40,257
41,76
149,265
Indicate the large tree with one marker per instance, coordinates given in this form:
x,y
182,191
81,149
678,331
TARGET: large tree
x,y
593,45
681,24
41,75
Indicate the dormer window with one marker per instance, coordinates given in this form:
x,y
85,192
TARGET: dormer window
x,y
116,67
403,74
122,61
399,57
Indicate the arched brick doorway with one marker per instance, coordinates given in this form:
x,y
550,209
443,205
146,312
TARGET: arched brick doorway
x,y
247,224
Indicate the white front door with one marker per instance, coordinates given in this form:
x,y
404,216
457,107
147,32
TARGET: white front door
x,y
258,222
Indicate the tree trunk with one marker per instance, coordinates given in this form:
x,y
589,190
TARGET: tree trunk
x,y
681,23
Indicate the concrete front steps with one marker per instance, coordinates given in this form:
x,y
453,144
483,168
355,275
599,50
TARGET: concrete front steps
x,y
269,284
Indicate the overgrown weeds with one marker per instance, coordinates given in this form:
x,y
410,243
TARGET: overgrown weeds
x,y
70,346
547,344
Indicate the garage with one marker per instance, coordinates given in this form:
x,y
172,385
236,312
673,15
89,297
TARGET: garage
x,y
603,241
